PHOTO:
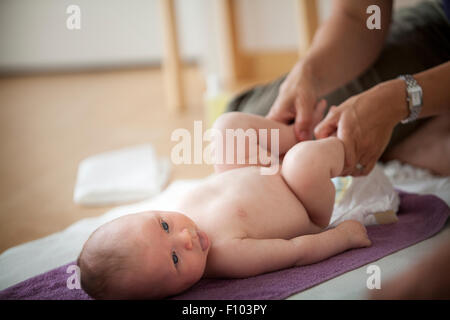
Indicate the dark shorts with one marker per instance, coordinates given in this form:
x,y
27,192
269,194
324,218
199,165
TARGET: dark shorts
x,y
419,39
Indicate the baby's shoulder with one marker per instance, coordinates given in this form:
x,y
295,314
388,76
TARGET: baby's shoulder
x,y
222,257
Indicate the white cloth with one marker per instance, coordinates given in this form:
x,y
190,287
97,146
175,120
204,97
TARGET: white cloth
x,y
362,198
32,258
418,180
120,176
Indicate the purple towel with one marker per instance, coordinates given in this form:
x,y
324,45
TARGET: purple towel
x,y
420,217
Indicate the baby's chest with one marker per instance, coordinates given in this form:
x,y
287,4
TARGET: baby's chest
x,y
247,204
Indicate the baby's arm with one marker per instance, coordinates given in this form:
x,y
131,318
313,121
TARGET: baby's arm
x,y
242,258
249,127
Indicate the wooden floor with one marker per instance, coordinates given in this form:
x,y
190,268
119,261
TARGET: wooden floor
x,y
49,123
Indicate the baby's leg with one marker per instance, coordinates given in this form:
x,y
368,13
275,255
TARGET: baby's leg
x,y
308,168
245,135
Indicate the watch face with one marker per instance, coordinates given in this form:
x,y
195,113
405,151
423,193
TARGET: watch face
x,y
416,96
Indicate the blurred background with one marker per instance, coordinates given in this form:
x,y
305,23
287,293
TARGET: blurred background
x,y
132,73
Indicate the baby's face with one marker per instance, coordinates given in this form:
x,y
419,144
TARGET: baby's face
x,y
172,255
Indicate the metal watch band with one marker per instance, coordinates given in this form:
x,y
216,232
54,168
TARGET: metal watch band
x,y
414,110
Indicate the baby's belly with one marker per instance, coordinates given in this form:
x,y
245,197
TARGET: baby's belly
x,y
247,204
269,209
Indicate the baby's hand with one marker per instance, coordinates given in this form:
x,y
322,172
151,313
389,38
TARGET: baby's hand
x,y
356,233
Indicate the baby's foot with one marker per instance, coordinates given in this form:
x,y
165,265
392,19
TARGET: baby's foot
x,y
356,233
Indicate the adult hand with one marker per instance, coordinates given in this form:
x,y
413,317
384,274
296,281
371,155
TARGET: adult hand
x,y
297,100
364,123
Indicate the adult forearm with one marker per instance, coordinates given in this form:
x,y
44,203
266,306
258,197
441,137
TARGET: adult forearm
x,y
436,95
435,86
343,48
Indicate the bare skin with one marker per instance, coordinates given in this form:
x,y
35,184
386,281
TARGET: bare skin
x,y
341,50
261,223
427,148
365,122
238,223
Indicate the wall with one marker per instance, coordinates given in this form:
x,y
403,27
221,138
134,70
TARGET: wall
x,y
33,33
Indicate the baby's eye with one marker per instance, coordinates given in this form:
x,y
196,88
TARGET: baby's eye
x,y
174,258
165,226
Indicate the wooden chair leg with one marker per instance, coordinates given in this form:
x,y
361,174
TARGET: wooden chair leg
x,y
229,51
308,22
171,60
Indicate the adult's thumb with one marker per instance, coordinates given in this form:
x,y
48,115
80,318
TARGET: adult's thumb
x,y
328,125
280,111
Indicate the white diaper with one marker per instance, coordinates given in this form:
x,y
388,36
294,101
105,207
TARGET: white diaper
x,y
370,199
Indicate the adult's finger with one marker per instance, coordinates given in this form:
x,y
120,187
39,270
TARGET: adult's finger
x,y
303,119
328,125
361,168
367,168
282,110
318,112
365,164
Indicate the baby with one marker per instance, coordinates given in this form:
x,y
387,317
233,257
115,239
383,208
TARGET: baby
x,y
237,223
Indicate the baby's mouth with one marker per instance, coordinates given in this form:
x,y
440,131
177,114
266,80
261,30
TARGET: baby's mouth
x,y
203,239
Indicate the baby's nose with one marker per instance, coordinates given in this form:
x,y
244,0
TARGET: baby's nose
x,y
186,239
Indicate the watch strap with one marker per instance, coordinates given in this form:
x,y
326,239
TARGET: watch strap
x,y
414,110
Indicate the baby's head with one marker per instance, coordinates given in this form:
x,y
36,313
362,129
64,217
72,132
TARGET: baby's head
x,y
146,255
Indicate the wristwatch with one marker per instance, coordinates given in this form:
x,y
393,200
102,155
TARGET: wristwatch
x,y
414,99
